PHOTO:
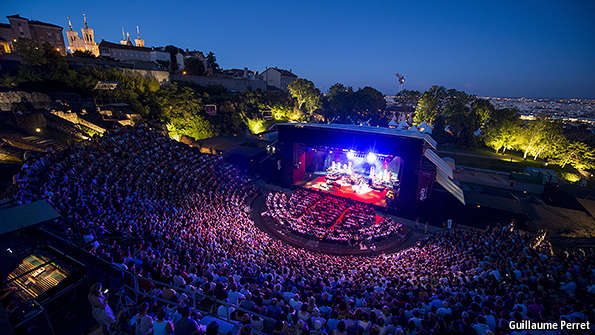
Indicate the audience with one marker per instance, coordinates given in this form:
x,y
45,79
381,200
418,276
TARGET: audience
x,y
325,217
166,212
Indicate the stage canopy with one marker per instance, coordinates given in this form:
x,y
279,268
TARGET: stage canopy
x,y
366,129
445,175
439,162
15,218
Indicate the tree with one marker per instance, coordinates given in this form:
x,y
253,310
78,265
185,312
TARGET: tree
x,y
368,103
551,143
194,66
462,122
343,105
84,54
503,135
255,125
504,114
437,100
338,104
577,154
430,105
408,97
483,109
535,137
212,62
43,68
181,110
36,53
502,129
336,90
307,96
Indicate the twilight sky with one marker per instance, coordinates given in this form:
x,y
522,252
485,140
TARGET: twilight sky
x,y
498,48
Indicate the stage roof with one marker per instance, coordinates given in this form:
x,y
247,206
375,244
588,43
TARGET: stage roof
x,y
15,218
439,162
445,175
368,129
450,186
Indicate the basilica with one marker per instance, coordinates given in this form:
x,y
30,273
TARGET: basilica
x,y
85,42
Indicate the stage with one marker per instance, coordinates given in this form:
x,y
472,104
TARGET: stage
x,y
373,197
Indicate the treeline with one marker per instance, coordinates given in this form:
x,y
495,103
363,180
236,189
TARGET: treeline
x,y
467,120
455,116
180,107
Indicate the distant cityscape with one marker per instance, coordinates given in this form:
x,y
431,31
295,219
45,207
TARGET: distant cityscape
x,y
570,110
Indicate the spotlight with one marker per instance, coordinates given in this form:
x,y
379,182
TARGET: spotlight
x,y
371,157
38,130
350,154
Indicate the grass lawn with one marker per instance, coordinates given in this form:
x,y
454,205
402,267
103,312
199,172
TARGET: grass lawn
x,y
484,158
493,164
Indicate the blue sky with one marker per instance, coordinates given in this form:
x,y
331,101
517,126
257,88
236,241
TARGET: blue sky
x,y
497,48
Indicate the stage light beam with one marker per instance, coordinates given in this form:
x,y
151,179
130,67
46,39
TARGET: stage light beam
x,y
371,157
350,154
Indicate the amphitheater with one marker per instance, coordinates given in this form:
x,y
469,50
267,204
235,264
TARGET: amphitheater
x,y
191,230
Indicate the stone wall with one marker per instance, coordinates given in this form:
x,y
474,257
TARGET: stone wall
x,y
229,83
27,100
161,76
74,118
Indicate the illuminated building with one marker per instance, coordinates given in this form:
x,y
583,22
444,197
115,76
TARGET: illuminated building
x,y
84,43
278,78
23,28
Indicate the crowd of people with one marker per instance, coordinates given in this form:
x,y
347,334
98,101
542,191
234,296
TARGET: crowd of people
x,y
325,217
166,212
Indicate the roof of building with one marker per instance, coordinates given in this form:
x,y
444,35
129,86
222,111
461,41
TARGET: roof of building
x,y
106,44
237,71
368,129
284,72
39,23
193,52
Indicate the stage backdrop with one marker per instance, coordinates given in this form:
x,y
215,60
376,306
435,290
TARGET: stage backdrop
x,y
294,138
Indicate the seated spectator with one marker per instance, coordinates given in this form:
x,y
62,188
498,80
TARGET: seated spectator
x,y
161,326
185,326
144,322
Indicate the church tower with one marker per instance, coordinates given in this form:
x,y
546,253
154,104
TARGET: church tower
x,y
71,35
138,41
89,38
84,43
123,41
